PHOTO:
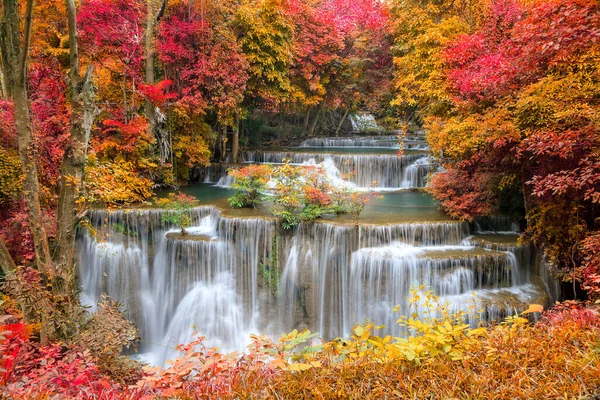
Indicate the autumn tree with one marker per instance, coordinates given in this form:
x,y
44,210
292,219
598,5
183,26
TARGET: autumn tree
x,y
14,45
57,271
524,88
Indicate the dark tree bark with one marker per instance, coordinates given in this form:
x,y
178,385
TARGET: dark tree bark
x,y
313,127
235,144
306,121
4,93
339,128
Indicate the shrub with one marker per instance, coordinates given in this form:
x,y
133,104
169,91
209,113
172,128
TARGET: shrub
x,y
29,370
300,193
356,203
180,206
249,185
441,357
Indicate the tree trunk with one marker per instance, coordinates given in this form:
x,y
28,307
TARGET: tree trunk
x,y
31,187
235,144
4,92
15,53
317,118
149,50
223,143
83,112
306,121
339,128
152,18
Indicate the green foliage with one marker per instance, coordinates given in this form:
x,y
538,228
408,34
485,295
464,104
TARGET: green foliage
x,y
249,185
258,130
179,206
270,270
300,193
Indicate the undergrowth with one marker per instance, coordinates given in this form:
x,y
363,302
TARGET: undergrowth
x,y
441,358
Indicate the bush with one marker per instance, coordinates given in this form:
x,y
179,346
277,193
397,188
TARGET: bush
x,y
300,193
441,358
249,185
180,206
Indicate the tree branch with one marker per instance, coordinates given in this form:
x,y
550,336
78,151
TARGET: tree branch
x,y
27,38
73,45
161,11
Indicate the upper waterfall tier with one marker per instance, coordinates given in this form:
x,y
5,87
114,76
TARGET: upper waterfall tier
x,y
380,171
376,142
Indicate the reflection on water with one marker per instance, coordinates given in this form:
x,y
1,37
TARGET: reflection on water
x,y
400,206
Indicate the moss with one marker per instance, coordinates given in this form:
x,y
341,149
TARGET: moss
x,y
270,271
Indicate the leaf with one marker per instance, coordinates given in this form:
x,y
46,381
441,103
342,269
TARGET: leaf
x,y
533,308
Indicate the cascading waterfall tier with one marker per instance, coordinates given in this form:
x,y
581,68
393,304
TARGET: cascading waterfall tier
x,y
371,142
382,277
383,171
358,169
228,277
375,142
153,271
362,122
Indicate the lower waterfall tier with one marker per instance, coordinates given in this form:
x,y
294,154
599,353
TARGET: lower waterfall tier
x,y
231,276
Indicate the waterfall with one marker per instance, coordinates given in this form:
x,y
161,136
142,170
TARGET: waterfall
x,y
157,274
225,181
380,171
369,142
382,277
232,276
213,310
363,123
414,175
381,142
496,224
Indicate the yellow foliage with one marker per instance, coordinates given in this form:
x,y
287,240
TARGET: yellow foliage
x,y
115,183
421,32
11,179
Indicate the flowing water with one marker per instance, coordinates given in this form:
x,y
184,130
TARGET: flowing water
x,y
236,272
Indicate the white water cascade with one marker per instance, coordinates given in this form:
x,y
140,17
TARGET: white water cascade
x,y
231,276
362,122
377,171
332,276
353,142
414,175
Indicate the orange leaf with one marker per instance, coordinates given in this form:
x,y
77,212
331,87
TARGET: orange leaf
x,y
534,308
